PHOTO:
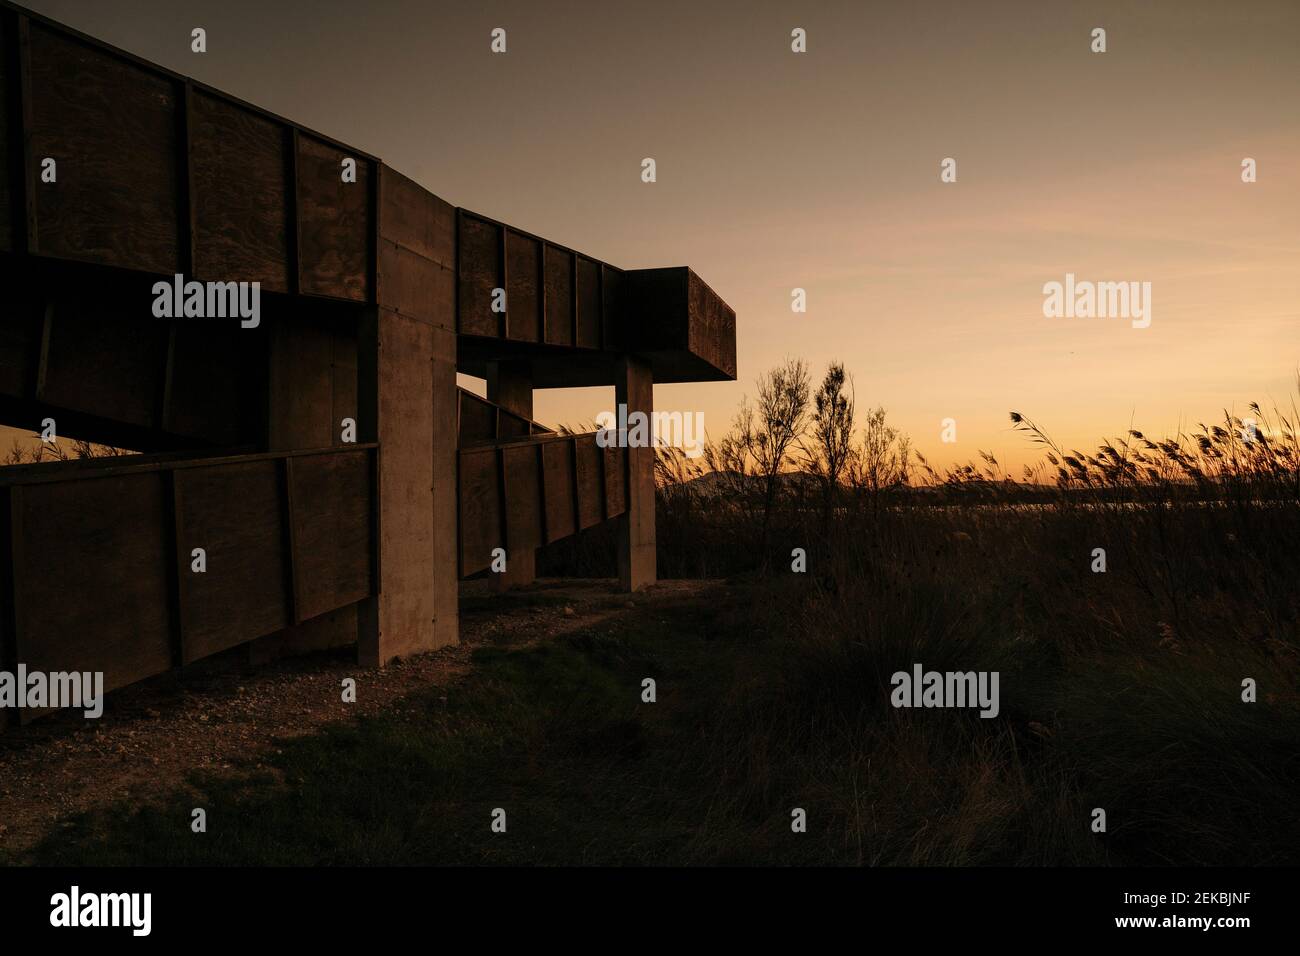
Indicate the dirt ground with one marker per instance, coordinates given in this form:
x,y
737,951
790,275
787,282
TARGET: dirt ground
x,y
153,734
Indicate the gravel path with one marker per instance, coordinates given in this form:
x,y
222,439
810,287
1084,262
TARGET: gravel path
x,y
152,735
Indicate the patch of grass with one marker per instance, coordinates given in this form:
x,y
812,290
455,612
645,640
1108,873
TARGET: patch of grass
x,y
555,734
773,693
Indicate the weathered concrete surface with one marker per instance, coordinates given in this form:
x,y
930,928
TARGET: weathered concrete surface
x,y
510,385
637,563
335,629
446,578
312,381
407,375
402,622
312,388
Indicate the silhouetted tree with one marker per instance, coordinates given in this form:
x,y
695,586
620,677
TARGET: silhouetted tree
x,y
772,431
831,445
881,463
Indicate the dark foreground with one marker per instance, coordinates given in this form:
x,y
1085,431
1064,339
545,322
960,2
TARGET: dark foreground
x,y
764,705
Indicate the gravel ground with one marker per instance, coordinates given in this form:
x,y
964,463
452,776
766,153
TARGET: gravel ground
x,y
153,734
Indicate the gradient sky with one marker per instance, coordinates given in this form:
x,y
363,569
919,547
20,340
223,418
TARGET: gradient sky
x,y
821,170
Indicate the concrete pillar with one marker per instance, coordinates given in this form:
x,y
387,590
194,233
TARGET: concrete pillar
x,y
407,402
510,385
637,563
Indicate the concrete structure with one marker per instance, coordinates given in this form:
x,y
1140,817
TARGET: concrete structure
x,y
319,454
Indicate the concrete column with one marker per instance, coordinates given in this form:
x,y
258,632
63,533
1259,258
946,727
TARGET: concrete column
x,y
637,563
510,385
407,402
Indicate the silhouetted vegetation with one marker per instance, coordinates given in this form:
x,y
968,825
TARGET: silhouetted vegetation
x,y
1120,689
35,451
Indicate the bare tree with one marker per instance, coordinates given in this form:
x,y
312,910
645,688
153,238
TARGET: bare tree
x,y
882,462
732,468
831,445
772,431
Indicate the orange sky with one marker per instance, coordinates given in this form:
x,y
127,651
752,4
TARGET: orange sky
x,y
821,170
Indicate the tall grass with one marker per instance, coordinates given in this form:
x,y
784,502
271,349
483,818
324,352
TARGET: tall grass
x,y
1121,689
